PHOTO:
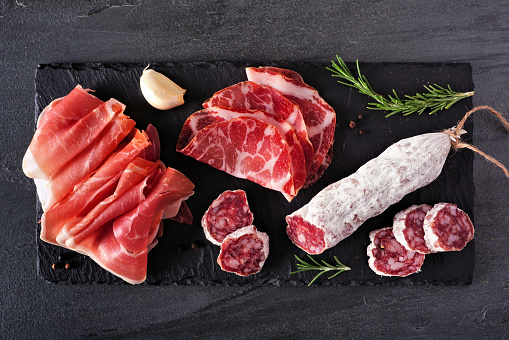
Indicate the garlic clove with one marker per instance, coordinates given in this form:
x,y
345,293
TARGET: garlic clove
x,y
160,91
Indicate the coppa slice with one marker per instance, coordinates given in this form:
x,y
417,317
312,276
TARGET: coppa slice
x,y
249,95
408,228
246,148
244,251
319,116
205,117
388,257
227,213
447,228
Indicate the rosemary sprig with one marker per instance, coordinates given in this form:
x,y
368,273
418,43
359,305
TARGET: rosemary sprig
x,y
323,267
437,98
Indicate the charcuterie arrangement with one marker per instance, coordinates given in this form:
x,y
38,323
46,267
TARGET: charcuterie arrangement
x,y
105,192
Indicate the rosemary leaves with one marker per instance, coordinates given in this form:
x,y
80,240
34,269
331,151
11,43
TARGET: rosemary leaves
x,y
435,99
322,267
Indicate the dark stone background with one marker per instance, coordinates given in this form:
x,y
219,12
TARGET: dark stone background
x,y
34,32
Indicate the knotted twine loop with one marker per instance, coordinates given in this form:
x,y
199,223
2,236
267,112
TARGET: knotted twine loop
x,y
456,132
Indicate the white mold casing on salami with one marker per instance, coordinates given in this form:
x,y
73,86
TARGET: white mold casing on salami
x,y
411,236
339,209
447,228
257,245
385,251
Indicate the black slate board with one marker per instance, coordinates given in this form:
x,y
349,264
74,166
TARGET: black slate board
x,y
202,79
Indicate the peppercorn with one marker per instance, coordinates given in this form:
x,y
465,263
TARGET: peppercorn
x,y
67,266
352,124
180,249
195,245
54,266
360,117
362,132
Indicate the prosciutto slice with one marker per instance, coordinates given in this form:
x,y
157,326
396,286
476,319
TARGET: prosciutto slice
x,y
128,194
87,161
319,117
59,139
205,117
106,251
250,95
137,229
93,190
247,148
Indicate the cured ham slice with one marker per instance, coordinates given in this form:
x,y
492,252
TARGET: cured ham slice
x,y
106,251
250,95
183,215
319,117
101,183
57,142
246,148
205,117
153,151
128,194
137,229
88,160
90,192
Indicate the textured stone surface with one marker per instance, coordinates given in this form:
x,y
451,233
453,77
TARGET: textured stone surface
x,y
36,32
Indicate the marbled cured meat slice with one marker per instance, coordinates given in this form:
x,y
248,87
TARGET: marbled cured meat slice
x,y
92,191
246,148
57,142
211,115
244,251
339,209
87,161
138,228
227,213
388,257
315,176
319,116
249,95
447,228
408,228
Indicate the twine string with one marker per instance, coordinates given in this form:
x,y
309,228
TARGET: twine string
x,y
456,132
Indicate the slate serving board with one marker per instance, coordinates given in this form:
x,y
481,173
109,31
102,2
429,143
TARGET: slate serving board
x,y
201,79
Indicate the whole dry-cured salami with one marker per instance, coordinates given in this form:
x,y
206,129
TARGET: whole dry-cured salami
x,y
227,213
244,251
388,257
447,228
408,228
339,209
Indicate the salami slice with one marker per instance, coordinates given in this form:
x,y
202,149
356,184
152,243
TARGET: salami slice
x,y
447,228
244,251
227,213
388,257
407,228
